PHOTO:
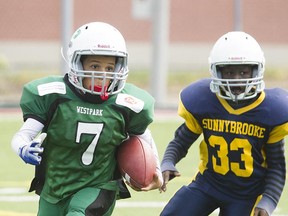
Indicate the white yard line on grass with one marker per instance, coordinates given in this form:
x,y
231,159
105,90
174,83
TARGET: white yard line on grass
x,y
17,194
119,204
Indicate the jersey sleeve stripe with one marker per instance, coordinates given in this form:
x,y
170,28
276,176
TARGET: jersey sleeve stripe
x,y
278,133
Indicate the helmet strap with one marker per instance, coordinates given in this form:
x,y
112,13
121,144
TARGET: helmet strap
x,y
104,95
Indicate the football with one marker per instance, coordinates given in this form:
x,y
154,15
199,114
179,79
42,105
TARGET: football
x,y
136,162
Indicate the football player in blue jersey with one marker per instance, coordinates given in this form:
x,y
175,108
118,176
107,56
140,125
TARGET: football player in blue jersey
x,y
83,118
242,167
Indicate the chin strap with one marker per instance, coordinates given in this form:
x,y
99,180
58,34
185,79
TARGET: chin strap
x,y
104,95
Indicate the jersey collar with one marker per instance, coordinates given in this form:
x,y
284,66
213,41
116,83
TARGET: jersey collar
x,y
244,109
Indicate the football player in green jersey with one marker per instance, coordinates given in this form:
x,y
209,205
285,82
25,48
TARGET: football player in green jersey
x,y
242,161
82,118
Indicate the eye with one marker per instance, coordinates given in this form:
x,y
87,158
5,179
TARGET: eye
x,y
246,73
110,68
95,67
228,73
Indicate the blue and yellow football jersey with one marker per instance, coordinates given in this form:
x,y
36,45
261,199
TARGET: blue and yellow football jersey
x,y
232,151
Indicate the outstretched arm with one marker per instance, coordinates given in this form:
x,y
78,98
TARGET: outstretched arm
x,y
275,179
175,151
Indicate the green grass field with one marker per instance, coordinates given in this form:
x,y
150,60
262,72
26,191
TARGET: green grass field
x,y
15,176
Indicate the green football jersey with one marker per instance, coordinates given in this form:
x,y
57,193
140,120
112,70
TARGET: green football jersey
x,y
82,137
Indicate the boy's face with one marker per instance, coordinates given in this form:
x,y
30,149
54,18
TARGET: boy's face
x,y
237,72
97,63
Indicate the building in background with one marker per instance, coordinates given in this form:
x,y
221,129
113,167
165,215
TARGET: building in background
x,y
34,26
30,30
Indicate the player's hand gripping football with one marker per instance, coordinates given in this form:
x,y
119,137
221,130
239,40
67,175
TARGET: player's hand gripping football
x,y
167,176
155,184
30,152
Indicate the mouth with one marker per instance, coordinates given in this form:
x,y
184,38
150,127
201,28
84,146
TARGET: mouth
x,y
237,90
96,88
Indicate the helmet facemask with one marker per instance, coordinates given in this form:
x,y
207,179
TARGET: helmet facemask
x,y
98,39
117,78
237,48
237,89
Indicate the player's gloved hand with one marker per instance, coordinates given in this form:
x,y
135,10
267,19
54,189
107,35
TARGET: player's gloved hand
x,y
30,152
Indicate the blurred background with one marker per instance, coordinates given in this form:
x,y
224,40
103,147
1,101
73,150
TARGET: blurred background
x,y
168,41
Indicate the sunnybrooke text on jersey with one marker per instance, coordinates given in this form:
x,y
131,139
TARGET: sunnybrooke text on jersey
x,y
235,127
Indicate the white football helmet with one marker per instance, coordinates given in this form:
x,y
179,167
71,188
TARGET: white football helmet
x,y
98,38
237,48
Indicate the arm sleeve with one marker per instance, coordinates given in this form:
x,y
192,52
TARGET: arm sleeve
x,y
147,137
275,178
29,130
178,147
